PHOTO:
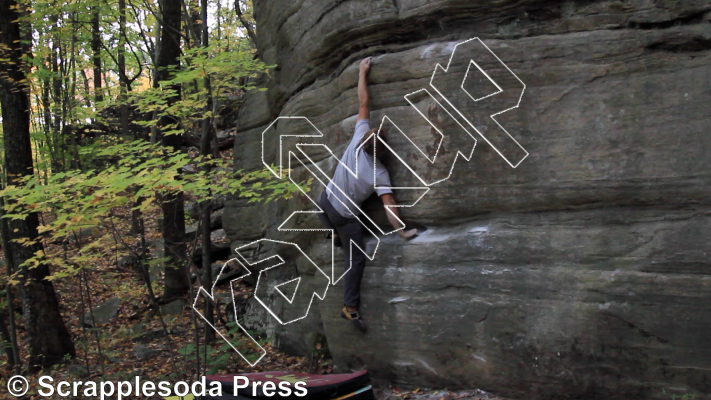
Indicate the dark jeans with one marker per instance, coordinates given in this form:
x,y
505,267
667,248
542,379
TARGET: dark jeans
x,y
348,229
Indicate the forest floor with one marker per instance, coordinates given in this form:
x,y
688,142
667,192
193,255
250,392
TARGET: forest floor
x,y
109,351
393,393
132,342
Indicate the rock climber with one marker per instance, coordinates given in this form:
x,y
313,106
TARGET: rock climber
x,y
346,190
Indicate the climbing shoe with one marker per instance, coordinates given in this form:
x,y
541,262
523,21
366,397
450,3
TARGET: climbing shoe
x,y
355,317
336,240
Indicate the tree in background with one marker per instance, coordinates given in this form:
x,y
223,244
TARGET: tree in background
x,y
83,91
48,337
176,277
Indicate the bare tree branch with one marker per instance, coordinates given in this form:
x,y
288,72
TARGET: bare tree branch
x,y
246,24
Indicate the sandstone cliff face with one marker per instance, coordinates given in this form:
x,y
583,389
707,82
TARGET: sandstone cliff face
x,y
585,272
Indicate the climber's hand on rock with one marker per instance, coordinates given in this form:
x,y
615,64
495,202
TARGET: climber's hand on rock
x,y
408,234
365,66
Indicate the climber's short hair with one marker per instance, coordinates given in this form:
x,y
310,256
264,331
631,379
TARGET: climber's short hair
x,y
369,145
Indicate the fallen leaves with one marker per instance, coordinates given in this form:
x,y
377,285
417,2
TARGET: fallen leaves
x,y
116,359
396,393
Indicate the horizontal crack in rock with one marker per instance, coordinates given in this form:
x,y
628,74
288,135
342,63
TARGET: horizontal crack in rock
x,y
641,331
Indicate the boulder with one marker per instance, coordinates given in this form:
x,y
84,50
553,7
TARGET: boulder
x,y
215,225
581,273
128,261
148,336
192,210
216,268
137,328
102,313
216,219
155,266
218,252
189,169
223,134
218,202
241,300
191,231
175,307
143,352
227,277
90,233
218,236
77,370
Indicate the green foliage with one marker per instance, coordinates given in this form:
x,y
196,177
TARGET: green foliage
x,y
137,174
87,180
224,70
222,355
62,93
81,181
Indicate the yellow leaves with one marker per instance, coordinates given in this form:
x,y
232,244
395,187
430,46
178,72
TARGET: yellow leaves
x,y
25,241
77,218
8,189
172,188
96,200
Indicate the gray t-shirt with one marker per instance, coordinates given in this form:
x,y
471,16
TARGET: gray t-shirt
x,y
360,187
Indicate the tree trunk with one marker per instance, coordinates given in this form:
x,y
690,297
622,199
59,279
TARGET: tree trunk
x,y
123,79
206,205
155,132
7,252
55,57
246,24
218,17
71,99
48,338
205,151
197,22
87,88
176,276
136,226
6,339
96,54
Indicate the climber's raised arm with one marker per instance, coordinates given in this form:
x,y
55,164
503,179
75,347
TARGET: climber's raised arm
x,y
363,98
389,200
358,175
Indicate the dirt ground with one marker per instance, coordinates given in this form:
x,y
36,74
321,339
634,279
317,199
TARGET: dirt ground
x,y
394,393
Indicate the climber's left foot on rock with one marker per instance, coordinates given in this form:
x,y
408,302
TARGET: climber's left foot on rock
x,y
355,317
